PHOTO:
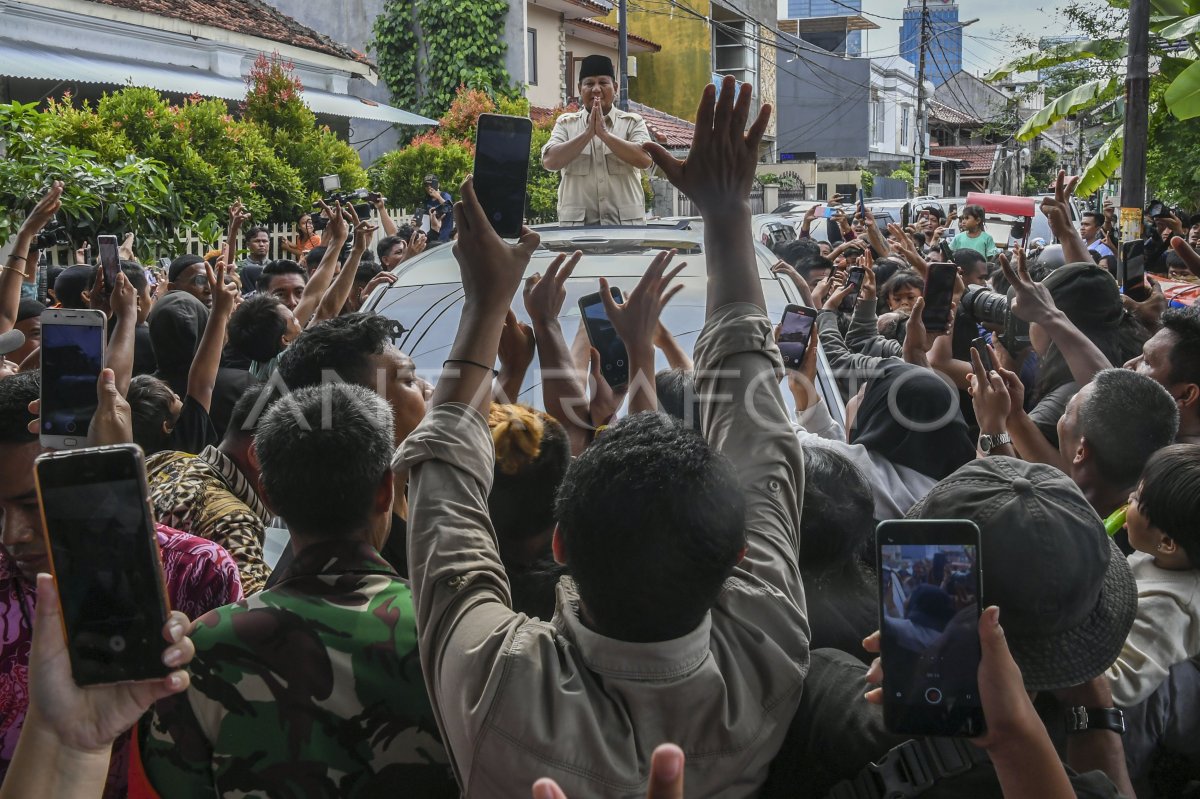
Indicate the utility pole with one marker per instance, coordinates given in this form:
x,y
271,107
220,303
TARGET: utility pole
x,y
919,152
1137,114
623,56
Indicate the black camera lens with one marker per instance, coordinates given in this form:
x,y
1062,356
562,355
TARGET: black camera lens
x,y
981,305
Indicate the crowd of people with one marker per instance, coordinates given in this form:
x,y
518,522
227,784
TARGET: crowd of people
x,y
482,598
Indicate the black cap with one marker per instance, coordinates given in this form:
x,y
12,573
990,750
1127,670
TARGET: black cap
x,y
1066,594
430,180
1087,294
28,309
596,65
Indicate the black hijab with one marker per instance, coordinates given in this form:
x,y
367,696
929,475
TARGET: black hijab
x,y
898,410
176,325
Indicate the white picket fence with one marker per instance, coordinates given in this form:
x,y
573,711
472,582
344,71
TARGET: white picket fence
x,y
188,242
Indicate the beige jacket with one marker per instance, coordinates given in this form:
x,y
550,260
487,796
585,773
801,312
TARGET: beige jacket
x,y
598,188
518,698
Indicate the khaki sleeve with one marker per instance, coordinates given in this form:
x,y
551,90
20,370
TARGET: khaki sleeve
x,y
743,415
557,136
465,622
639,133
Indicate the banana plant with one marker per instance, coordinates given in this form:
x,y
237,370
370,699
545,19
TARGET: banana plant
x,y
1177,81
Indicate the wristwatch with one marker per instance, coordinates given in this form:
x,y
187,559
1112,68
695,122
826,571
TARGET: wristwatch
x,y
1085,719
987,443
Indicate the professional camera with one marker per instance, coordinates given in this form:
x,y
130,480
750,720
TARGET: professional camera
x,y
54,234
332,185
1157,208
986,307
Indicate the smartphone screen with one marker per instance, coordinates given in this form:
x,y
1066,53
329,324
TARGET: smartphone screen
x,y
104,555
110,261
939,293
72,357
502,170
862,205
614,360
929,595
980,345
853,278
795,333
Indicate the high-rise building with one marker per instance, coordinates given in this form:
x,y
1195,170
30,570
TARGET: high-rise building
x,y
943,53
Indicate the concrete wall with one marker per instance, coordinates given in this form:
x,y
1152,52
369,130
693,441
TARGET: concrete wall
x,y
548,92
352,26
822,106
672,80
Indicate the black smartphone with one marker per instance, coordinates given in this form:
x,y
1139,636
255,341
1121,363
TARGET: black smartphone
x,y
795,334
614,360
502,170
110,261
939,294
104,555
980,345
953,209
72,357
862,205
929,607
854,277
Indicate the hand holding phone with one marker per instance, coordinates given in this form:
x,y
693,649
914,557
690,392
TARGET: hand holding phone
x,y
110,260
929,597
614,360
104,556
502,170
939,296
795,335
853,278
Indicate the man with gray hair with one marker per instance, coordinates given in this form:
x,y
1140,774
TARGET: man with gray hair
x,y
328,656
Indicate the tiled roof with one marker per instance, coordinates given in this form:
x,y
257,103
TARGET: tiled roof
x,y
250,17
951,116
669,131
979,157
606,28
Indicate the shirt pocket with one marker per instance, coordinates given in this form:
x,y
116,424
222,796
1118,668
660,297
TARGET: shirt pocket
x,y
616,166
631,213
582,165
572,213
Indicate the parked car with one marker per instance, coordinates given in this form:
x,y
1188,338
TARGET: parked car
x,y
426,300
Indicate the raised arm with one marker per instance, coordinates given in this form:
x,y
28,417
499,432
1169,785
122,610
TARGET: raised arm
x,y
1034,304
561,149
202,377
1057,213
379,202
628,150
906,247
17,269
738,366
336,233
339,291
119,356
636,322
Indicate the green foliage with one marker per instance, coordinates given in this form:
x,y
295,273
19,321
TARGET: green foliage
x,y
135,162
867,179
1183,95
1070,52
1103,165
427,50
903,172
398,174
1172,171
1043,168
1078,98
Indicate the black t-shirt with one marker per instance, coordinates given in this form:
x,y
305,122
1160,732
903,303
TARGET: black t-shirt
x,y
194,430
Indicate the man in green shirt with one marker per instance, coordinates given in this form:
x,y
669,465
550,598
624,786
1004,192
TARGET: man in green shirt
x,y
312,687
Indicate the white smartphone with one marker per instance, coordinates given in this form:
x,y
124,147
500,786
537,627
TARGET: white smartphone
x,y
72,357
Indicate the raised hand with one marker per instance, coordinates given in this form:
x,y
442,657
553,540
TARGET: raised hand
x,y
516,346
225,294
123,299
1032,301
666,777
381,279
336,229
44,211
416,244
636,320
545,294
719,169
989,395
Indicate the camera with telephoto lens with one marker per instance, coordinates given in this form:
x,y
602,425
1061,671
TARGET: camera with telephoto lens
x,y
332,185
984,306
54,234
1157,209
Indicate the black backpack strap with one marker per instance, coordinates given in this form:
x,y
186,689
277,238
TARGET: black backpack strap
x,y
910,769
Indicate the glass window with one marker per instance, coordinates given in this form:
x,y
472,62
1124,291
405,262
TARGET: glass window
x,y
531,56
904,125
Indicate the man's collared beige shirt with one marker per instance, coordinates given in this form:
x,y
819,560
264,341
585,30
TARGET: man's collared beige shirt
x,y
598,188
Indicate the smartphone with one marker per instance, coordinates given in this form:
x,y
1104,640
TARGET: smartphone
x,y
929,607
829,212
862,205
104,556
853,278
502,170
110,261
72,357
980,345
953,210
795,334
939,294
614,360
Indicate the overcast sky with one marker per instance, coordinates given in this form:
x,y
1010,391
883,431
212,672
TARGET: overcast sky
x,y
986,45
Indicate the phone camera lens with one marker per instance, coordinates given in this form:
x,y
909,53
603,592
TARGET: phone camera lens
x,y
70,427
117,643
933,696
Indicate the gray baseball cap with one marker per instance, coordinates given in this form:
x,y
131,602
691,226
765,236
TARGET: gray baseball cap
x,y
11,341
1066,595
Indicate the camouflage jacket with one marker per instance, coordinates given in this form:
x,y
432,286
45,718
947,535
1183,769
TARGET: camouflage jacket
x,y
208,496
312,688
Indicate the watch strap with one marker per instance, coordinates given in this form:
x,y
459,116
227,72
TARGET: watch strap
x,y
988,442
1086,719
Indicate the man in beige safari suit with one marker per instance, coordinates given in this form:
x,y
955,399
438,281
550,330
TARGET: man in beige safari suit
x,y
599,152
